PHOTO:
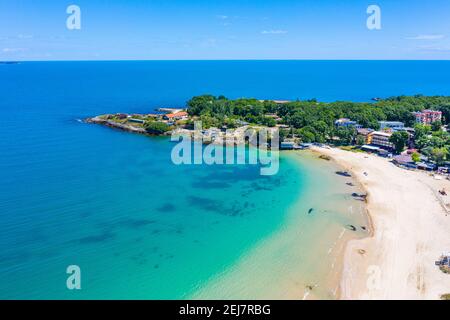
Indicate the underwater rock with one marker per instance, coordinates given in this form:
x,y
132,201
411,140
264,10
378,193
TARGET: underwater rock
x,y
343,173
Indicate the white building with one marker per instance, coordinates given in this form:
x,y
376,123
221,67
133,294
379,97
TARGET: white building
x,y
393,125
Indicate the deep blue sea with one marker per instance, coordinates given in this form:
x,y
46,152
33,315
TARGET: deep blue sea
x,y
114,204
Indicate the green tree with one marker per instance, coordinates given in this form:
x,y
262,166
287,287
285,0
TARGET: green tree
x,y
360,140
399,139
439,155
209,121
297,120
198,104
270,122
230,123
345,135
436,126
306,135
283,134
421,130
321,130
155,127
445,109
415,157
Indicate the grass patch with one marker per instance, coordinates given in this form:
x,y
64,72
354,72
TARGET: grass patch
x,y
445,296
445,269
351,149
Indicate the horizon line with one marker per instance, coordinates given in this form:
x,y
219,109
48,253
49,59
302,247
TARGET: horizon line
x,y
275,59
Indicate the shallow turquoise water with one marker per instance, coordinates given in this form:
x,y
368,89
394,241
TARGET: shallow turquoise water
x,y
114,204
137,225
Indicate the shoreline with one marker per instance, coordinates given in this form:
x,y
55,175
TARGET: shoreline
x,y
339,248
368,268
409,231
341,256
293,262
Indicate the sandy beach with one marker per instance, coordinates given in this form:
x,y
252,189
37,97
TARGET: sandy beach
x,y
411,229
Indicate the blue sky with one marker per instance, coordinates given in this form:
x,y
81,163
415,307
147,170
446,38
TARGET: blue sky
x,y
200,29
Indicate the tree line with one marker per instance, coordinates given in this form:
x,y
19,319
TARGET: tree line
x,y
314,121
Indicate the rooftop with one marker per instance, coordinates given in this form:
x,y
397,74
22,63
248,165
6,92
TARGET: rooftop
x,y
391,123
369,147
403,158
177,114
364,130
427,111
380,133
277,101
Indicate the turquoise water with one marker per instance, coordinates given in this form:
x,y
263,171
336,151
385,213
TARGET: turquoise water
x,y
113,202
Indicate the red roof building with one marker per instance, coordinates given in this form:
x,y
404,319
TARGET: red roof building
x,y
428,116
176,116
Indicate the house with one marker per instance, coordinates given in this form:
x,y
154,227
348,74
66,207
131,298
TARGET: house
x,y
391,125
384,153
273,116
287,145
121,115
370,149
376,150
281,101
306,145
276,101
346,123
428,116
242,123
181,115
405,160
380,139
364,133
425,166
135,120
411,151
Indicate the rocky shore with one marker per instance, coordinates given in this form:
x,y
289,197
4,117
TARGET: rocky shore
x,y
118,125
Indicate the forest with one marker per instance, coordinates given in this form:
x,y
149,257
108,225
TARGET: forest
x,y
314,121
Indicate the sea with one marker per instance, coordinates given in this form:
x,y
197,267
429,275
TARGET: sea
x,y
137,226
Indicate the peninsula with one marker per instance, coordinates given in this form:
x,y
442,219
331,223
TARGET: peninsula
x,y
386,127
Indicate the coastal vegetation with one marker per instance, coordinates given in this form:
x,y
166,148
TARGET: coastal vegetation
x,y
399,139
308,121
156,127
415,157
318,117
314,121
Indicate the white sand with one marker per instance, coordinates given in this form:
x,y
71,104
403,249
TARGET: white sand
x,y
411,230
